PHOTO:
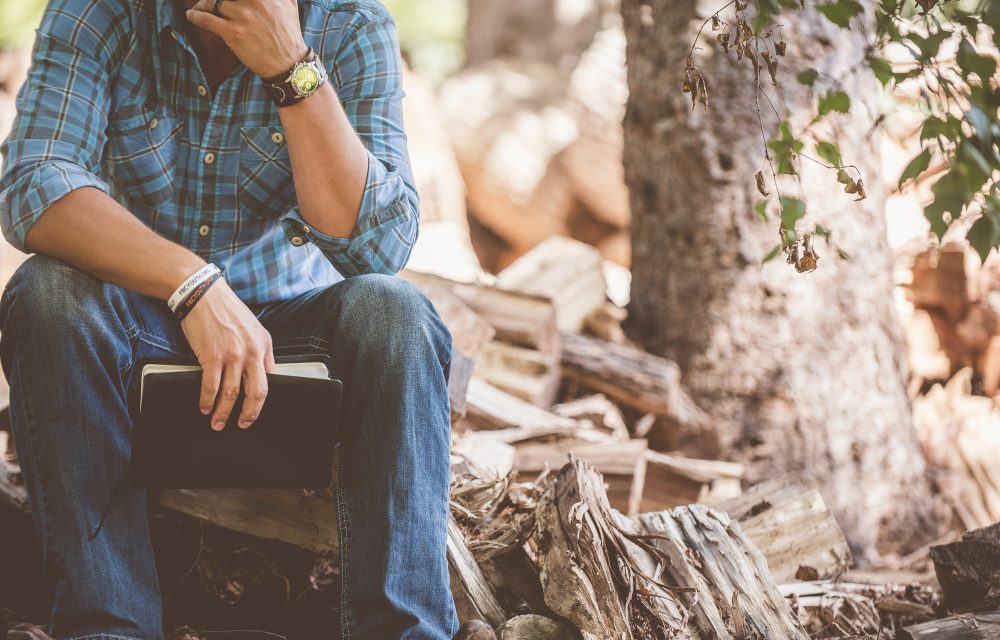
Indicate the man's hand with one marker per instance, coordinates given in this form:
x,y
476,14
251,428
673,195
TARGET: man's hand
x,y
264,34
231,346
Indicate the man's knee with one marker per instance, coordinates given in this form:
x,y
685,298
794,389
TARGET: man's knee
x,y
395,312
47,292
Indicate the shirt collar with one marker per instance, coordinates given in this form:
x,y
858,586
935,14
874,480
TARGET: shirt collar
x,y
167,15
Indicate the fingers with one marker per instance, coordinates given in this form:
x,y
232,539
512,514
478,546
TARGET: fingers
x,y
207,20
210,376
228,392
255,388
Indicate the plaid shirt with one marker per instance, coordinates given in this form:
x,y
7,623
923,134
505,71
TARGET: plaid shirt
x,y
115,99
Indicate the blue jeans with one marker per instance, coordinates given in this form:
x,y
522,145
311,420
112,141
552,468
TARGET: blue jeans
x,y
68,345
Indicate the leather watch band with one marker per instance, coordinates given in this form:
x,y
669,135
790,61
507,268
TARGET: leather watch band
x,y
298,83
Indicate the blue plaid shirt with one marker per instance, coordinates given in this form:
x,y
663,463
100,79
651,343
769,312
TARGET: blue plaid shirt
x,y
115,99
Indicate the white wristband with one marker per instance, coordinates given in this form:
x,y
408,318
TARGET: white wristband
x,y
188,285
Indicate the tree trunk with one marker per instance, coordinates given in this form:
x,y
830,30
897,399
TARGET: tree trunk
x,y
805,372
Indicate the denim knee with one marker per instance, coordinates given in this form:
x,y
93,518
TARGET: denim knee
x,y
390,313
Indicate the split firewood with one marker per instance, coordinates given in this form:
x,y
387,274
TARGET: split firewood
x,y
674,481
605,322
966,626
529,374
969,570
833,613
830,608
474,598
507,125
734,596
566,271
639,380
587,574
623,465
534,627
597,411
494,409
945,279
793,528
518,318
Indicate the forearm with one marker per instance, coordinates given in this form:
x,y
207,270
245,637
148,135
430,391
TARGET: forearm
x,y
329,162
91,231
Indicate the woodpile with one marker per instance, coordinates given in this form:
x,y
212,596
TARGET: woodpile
x,y
566,522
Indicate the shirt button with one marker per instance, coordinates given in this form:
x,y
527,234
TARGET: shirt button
x,y
297,241
203,230
305,228
278,138
153,123
202,91
209,158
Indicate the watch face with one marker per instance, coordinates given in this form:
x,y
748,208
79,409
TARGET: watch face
x,y
305,79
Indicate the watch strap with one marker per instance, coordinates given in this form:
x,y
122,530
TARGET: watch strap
x,y
281,87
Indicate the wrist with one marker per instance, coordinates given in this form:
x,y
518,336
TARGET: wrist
x,y
207,273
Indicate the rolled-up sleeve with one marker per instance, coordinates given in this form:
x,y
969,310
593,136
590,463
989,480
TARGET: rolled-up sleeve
x,y
58,136
367,73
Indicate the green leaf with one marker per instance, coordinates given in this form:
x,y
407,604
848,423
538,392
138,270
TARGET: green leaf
x,y
761,209
829,152
950,128
881,68
834,101
841,11
971,62
915,167
929,46
950,195
807,77
771,255
792,210
984,234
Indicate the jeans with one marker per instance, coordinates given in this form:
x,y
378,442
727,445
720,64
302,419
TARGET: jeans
x,y
68,345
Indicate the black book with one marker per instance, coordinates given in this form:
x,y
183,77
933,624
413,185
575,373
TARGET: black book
x,y
290,445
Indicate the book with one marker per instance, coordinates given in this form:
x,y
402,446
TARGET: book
x,y
290,445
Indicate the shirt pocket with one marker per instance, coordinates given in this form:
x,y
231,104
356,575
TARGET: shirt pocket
x,y
142,154
264,186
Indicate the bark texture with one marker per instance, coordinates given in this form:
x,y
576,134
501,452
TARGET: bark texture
x,y
803,372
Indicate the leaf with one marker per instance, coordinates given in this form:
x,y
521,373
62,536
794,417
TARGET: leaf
x,y
792,210
971,62
927,5
950,128
761,209
771,255
759,177
881,68
841,11
929,46
984,234
807,77
915,167
829,152
834,101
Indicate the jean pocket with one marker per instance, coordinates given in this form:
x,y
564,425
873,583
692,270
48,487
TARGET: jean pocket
x,y
142,155
264,188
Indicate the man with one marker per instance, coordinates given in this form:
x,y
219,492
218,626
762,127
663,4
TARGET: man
x,y
156,138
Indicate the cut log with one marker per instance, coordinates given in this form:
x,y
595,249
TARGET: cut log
x,y
674,481
586,573
494,409
566,271
793,528
623,465
517,318
528,374
474,598
735,596
945,279
507,125
969,570
598,411
969,626
534,627
636,379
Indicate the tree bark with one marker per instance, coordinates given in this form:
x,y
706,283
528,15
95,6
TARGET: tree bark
x,y
805,372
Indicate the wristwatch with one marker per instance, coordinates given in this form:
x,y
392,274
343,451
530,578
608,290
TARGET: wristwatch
x,y
294,86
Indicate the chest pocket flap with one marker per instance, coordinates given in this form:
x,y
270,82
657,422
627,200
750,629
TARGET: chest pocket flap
x,y
142,154
264,186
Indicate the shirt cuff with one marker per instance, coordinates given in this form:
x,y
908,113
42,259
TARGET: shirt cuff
x,y
372,247
24,201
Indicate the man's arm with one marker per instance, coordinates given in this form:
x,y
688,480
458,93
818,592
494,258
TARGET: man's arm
x,y
356,199
52,202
